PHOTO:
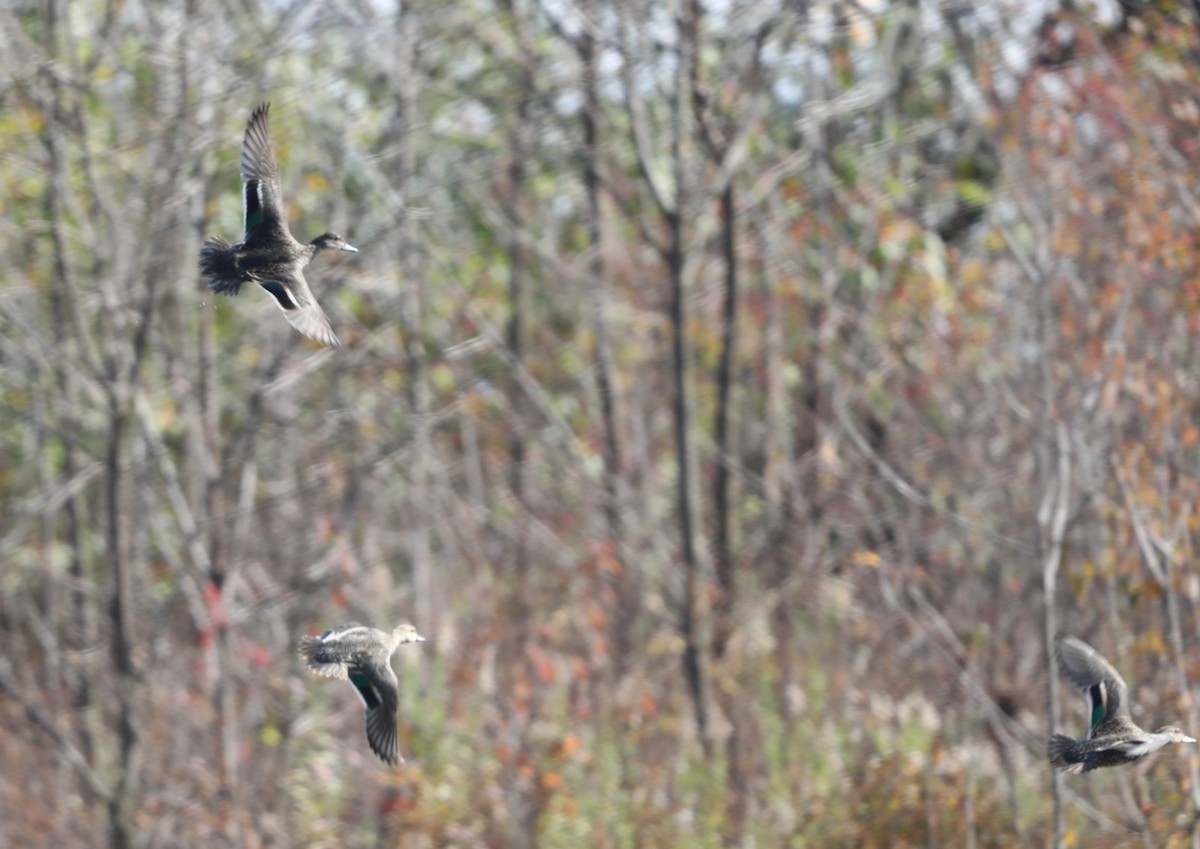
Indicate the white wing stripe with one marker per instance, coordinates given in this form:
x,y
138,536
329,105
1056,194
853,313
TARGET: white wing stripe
x,y
334,636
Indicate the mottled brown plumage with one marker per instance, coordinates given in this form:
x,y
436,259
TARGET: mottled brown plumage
x,y
362,656
1113,739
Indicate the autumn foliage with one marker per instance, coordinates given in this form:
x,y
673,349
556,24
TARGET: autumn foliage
x,y
739,397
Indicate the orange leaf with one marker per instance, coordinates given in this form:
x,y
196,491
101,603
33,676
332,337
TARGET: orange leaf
x,y
571,744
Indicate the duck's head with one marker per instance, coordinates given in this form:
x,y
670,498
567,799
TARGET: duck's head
x,y
406,634
1175,735
332,242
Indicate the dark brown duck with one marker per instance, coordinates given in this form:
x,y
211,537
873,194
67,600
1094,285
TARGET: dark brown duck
x,y
267,254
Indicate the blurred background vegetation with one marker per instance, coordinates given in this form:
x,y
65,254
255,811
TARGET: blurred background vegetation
x,y
738,395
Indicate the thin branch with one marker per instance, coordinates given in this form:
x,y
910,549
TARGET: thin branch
x,y
35,715
637,123
902,486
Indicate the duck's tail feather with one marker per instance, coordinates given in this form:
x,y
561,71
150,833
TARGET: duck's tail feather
x,y
315,654
1060,754
218,266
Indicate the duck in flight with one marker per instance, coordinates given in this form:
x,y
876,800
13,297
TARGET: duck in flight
x,y
362,656
267,254
1113,738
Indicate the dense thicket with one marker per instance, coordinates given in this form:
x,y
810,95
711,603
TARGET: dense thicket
x,y
738,395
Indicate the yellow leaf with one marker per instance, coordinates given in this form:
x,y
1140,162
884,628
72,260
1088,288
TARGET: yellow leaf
x,y
270,736
866,558
315,182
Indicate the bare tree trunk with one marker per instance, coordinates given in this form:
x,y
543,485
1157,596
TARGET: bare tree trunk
x,y
62,311
723,560
1159,556
623,580
69,339
1052,520
121,614
515,332
691,616
411,263
525,805
70,333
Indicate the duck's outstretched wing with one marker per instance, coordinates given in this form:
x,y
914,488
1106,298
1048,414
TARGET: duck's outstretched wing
x,y
377,688
1107,695
262,203
300,307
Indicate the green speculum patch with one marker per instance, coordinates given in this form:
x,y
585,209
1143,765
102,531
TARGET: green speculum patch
x,y
1097,698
